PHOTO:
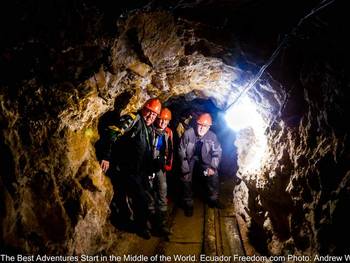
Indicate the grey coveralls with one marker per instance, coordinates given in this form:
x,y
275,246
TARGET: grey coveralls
x,y
196,155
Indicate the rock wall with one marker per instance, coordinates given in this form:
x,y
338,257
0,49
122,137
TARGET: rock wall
x,y
65,64
54,196
296,202
66,70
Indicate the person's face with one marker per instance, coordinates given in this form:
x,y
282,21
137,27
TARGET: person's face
x,y
149,116
162,123
202,129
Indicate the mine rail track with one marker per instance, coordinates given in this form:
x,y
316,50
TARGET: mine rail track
x,y
210,235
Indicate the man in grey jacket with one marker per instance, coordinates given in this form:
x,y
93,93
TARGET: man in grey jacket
x,y
200,154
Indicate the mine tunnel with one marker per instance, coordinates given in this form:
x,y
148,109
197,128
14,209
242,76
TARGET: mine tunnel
x,y
273,75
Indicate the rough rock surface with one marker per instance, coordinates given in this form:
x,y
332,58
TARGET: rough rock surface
x,y
66,70
54,196
296,202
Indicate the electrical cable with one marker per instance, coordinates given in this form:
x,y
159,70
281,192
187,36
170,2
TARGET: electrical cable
x,y
323,4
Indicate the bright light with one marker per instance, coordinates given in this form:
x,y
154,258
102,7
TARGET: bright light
x,y
243,114
251,141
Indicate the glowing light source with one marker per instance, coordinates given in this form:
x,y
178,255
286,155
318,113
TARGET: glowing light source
x,y
251,141
244,114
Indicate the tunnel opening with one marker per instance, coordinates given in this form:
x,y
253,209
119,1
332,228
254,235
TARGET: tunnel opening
x,y
185,113
244,143
243,132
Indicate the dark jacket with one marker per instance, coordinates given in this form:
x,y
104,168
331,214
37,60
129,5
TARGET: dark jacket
x,y
128,146
210,152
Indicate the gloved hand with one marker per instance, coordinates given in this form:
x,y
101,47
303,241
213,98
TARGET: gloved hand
x,y
104,165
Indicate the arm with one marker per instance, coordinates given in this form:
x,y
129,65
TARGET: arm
x,y
170,151
185,167
113,133
216,153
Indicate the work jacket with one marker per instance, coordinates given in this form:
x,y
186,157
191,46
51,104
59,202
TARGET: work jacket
x,y
210,152
128,146
162,148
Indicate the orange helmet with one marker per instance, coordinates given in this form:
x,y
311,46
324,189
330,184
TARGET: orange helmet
x,y
205,119
154,105
165,114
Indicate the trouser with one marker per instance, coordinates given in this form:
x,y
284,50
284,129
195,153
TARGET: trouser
x,y
211,184
160,192
136,190
158,208
120,210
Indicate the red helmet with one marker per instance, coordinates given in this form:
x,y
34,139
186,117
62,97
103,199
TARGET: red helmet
x,y
165,114
153,105
205,119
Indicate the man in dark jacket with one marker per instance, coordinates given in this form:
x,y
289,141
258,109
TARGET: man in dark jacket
x,y
131,162
200,154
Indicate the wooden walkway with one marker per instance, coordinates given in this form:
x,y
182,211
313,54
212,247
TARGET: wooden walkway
x,y
210,235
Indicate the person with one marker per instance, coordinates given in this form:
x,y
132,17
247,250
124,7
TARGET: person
x,y
182,126
162,160
200,154
131,161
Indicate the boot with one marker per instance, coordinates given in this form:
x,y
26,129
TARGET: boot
x,y
189,211
163,228
216,204
160,228
144,233
153,220
142,229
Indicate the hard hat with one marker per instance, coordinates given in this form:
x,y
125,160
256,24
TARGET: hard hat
x,y
165,114
153,105
205,119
